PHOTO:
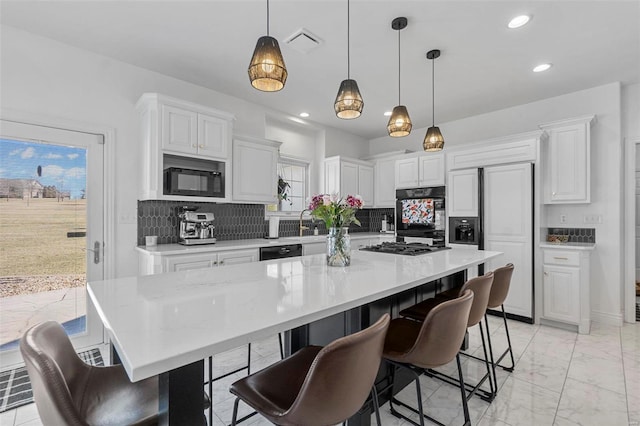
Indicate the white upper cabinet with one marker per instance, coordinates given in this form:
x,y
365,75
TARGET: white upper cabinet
x,y
462,193
384,183
567,159
346,176
420,171
255,170
174,133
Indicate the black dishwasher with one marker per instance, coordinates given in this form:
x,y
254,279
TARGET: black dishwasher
x,y
279,252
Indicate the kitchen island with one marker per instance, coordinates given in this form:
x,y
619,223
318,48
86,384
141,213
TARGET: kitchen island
x,y
166,324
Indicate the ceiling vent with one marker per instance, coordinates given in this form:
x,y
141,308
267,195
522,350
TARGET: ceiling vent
x,y
303,41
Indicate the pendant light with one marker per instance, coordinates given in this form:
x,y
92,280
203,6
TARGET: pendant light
x,y
399,123
349,103
267,71
433,140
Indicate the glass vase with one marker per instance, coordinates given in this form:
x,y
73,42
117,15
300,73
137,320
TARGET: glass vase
x,y
338,247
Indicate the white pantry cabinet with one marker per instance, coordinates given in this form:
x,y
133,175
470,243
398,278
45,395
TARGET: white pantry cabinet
x,y
175,132
346,176
255,170
567,159
462,193
420,171
565,286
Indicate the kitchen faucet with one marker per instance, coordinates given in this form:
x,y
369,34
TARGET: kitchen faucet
x,y
301,227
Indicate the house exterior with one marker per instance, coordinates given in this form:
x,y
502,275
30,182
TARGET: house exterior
x,y
21,188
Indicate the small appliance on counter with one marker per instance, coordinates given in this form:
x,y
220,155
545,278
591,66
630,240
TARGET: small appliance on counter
x,y
196,228
274,227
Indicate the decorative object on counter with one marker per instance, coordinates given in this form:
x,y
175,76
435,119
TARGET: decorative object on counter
x,y
274,226
433,140
399,123
349,103
267,71
283,187
151,240
337,214
559,239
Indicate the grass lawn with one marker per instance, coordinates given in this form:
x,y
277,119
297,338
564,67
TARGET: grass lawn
x,y
33,237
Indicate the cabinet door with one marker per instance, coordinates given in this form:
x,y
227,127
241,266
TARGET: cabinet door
x,y
332,176
407,173
365,184
189,262
568,165
255,176
385,185
213,136
462,193
348,179
431,170
237,256
179,130
561,287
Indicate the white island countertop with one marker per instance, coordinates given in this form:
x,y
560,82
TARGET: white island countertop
x,y
161,322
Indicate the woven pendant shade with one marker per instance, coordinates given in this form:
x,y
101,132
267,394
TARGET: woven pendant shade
x,y
433,141
267,70
399,123
349,102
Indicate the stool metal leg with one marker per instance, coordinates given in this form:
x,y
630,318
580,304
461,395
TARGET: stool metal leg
x,y
492,394
235,412
463,393
376,404
509,349
493,363
280,345
211,391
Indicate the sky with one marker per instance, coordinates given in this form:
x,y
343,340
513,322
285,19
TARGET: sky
x,y
62,166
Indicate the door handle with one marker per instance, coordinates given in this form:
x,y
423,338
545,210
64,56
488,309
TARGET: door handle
x,y
96,252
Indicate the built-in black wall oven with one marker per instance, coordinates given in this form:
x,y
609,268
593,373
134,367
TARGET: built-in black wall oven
x,y
420,212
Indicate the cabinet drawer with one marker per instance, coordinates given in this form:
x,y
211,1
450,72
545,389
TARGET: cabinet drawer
x,y
559,257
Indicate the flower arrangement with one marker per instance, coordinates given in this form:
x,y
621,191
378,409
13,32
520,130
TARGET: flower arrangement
x,y
334,211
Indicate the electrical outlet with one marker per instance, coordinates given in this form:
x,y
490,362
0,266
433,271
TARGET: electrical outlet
x,y
563,218
127,218
592,218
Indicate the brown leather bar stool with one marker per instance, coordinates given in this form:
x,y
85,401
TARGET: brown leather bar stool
x,y
481,287
317,385
69,392
435,342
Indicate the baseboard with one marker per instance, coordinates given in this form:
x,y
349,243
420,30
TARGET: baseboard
x,y
607,318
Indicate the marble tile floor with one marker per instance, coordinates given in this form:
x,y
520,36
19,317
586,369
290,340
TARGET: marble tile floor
x,y
561,378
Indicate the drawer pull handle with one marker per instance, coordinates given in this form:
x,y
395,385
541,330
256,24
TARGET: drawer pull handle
x,y
560,258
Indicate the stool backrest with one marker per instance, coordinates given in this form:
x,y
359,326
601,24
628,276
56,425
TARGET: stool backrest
x,y
442,333
56,373
481,287
340,378
500,286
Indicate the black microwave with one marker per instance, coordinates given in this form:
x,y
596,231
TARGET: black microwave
x,y
196,183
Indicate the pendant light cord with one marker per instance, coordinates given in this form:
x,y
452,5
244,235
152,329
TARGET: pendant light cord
x,y
267,17
399,66
433,92
348,42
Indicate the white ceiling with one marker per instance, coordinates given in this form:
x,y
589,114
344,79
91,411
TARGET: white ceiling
x,y
484,65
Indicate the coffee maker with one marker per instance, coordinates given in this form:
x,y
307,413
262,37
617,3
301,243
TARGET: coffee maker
x,y
196,228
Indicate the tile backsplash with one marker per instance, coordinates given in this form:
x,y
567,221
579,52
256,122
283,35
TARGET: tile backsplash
x,y
234,221
576,235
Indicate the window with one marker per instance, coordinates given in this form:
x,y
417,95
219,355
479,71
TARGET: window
x,y
293,184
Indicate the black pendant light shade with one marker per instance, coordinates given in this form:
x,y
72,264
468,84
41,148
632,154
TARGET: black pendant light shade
x,y
349,102
433,140
399,123
267,71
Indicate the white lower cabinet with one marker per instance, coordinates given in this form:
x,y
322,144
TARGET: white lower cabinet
x,y
157,264
566,282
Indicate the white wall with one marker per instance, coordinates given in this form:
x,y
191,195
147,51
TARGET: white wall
x,y
43,77
631,111
606,171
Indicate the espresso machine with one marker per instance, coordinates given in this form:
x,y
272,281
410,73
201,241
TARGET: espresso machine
x,y
196,228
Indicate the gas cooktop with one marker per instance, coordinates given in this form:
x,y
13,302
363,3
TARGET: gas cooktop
x,y
407,249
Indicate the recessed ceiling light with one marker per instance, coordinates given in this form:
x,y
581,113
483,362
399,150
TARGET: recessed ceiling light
x,y
304,114
387,113
542,67
519,21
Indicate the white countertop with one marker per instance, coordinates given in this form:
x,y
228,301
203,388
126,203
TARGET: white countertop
x,y
568,246
160,322
169,249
